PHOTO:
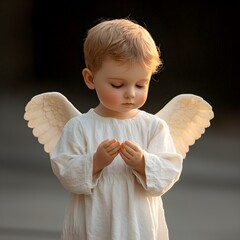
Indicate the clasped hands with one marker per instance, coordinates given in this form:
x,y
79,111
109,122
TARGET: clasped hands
x,y
130,152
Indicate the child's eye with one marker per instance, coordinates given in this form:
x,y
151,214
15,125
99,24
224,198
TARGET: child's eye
x,y
139,86
116,86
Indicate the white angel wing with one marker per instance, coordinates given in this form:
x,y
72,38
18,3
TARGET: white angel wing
x,y
47,113
187,116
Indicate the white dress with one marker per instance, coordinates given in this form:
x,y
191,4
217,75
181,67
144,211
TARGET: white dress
x,y
118,203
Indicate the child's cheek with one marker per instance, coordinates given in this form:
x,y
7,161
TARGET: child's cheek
x,y
142,99
109,98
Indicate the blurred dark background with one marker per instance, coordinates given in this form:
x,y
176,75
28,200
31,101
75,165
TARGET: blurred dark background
x,y
41,45
41,50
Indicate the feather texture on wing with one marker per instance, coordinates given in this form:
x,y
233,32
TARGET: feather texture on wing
x,y
47,113
187,116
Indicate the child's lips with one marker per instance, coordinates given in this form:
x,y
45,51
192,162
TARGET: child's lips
x,y
128,104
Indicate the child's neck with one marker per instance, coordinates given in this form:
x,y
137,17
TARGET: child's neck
x,y
104,112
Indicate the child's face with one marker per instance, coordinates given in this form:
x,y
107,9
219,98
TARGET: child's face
x,y
121,88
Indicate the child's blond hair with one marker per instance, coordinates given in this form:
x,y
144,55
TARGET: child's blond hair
x,y
122,40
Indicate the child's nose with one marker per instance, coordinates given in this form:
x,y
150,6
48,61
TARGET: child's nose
x,y
130,93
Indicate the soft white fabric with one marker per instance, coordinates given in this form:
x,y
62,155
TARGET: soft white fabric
x,y
118,203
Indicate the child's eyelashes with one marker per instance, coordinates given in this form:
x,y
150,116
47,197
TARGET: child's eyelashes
x,y
119,86
116,86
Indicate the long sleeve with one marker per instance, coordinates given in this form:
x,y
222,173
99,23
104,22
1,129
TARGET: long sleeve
x,y
71,163
163,165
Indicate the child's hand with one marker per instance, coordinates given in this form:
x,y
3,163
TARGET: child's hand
x,y
133,156
106,152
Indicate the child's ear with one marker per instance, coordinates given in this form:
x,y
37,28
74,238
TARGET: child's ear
x,y
88,78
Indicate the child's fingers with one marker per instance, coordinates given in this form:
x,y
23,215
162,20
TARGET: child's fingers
x,y
125,155
130,147
131,152
108,142
111,146
114,148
